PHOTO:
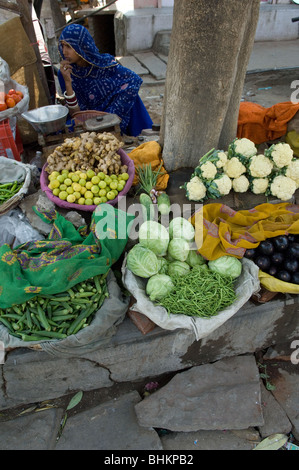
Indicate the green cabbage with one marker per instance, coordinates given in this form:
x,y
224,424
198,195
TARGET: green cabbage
x,y
181,228
178,268
154,236
178,249
194,258
163,265
158,286
142,261
227,266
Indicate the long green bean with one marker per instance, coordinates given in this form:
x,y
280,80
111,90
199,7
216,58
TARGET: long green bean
x,y
199,293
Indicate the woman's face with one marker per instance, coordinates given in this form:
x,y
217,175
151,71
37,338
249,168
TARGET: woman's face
x,y
69,54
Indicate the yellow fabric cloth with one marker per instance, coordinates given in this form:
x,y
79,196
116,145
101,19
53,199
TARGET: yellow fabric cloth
x,y
292,138
150,152
225,231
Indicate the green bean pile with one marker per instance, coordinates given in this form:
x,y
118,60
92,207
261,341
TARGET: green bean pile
x,y
56,316
8,190
199,293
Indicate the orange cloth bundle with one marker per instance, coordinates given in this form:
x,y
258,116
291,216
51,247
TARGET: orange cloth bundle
x,y
150,152
260,124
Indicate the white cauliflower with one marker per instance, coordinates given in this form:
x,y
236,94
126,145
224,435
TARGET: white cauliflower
x,y
240,184
260,166
222,159
283,187
259,185
208,170
281,154
234,168
220,186
242,148
292,170
196,190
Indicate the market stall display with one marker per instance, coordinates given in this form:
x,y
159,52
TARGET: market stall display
x,y
91,155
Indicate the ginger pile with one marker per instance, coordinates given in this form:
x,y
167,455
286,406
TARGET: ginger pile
x,y
89,151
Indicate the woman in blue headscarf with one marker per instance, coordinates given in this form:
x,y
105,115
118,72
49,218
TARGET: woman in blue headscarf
x,y
94,81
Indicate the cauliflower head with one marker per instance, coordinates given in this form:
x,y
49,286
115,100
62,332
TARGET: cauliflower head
x,y
292,170
208,170
242,147
234,168
240,184
283,187
260,166
281,154
196,190
259,185
223,185
222,159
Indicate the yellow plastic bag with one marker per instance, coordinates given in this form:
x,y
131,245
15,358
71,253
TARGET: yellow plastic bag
x,y
275,285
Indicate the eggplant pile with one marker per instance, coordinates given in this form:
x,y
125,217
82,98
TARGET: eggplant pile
x,y
278,257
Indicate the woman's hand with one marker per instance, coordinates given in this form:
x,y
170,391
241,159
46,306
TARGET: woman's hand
x,y
66,69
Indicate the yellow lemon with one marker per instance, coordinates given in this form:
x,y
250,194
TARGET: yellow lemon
x,y
101,175
104,199
90,173
95,179
75,177
76,187
125,176
88,195
63,195
69,190
113,185
68,181
110,195
97,201
71,198
65,172
102,184
83,190
89,185
88,202
56,191
81,201
95,189
82,182
77,194
61,178
83,175
63,187
102,192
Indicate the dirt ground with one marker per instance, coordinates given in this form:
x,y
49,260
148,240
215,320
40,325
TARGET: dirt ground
x,y
265,88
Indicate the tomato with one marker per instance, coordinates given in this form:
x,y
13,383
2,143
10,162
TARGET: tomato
x,y
10,102
18,92
11,91
3,106
16,98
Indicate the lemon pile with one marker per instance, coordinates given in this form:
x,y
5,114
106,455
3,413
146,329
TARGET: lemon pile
x,y
86,187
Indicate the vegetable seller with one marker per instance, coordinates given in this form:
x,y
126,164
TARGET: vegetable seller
x,y
94,81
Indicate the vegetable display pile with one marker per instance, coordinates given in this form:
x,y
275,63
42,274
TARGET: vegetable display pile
x,y
86,187
242,169
50,317
8,190
89,151
278,257
177,276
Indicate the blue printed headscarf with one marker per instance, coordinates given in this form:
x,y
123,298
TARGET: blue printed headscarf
x,y
104,85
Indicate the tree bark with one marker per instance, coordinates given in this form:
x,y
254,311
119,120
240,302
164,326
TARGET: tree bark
x,y
211,44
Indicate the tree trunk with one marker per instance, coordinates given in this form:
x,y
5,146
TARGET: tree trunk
x,y
211,43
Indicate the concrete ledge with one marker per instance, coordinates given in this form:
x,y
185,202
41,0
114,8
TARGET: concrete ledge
x,y
29,376
275,23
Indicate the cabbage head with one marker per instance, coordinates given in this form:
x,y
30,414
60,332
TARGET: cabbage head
x,y
142,261
158,286
227,266
163,265
178,268
178,249
154,236
195,259
181,228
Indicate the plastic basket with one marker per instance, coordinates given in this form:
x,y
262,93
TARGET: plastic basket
x,y
10,147
44,181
